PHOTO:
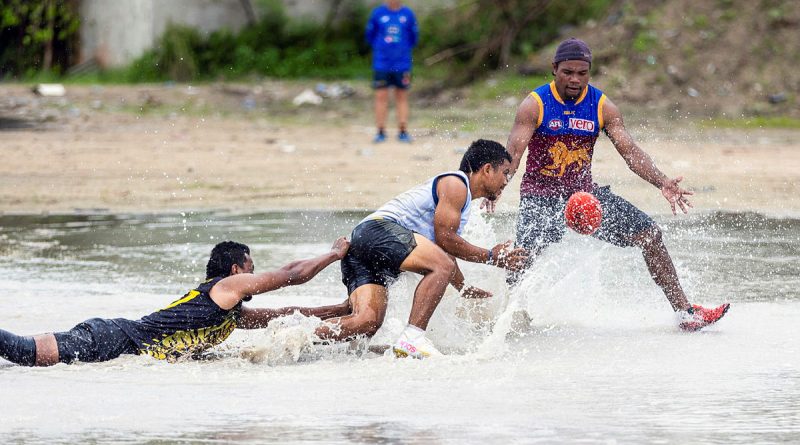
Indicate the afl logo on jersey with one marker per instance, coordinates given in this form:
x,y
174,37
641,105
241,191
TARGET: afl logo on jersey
x,y
555,124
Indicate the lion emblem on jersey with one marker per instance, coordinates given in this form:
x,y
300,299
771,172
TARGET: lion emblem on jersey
x,y
563,157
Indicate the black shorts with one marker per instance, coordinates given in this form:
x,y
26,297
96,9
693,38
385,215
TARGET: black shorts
x,y
94,340
377,249
541,220
386,79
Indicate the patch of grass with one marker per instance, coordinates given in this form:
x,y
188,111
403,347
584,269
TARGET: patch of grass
x,y
699,21
785,122
503,86
728,15
645,41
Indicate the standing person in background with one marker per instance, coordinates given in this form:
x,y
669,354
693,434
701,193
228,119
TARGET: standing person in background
x,y
392,33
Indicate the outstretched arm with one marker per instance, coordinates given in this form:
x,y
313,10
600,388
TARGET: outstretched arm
x,y
466,291
525,124
452,193
258,318
229,291
640,162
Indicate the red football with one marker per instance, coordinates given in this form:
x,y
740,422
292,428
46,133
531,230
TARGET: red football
x,y
583,213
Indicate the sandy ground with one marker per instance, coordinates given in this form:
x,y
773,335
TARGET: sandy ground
x,y
98,150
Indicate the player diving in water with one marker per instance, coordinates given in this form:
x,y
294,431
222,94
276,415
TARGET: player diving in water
x,y
199,320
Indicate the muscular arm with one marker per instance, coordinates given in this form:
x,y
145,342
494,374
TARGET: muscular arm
x,y
638,161
452,193
521,132
466,291
458,277
229,291
524,126
258,318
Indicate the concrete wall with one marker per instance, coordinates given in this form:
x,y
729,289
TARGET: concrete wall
x,y
115,33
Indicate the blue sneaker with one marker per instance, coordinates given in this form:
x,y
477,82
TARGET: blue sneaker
x,y
380,137
404,137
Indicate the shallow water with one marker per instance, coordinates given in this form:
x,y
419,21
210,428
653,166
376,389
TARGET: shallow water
x,y
601,362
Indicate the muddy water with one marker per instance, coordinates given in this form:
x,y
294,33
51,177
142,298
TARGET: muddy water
x,y
601,360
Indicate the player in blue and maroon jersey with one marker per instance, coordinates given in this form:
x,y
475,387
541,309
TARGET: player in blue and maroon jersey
x,y
559,124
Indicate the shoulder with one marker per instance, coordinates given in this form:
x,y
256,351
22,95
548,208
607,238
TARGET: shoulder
x,y
595,90
531,106
206,285
451,183
542,90
451,191
377,11
455,177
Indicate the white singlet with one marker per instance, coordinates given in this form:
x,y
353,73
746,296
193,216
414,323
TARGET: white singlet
x,y
414,209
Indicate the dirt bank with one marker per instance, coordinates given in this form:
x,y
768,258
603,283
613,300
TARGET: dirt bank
x,y
99,149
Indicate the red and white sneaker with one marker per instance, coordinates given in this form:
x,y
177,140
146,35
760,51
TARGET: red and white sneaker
x,y
697,317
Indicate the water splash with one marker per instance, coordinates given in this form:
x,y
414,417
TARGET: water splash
x,y
283,341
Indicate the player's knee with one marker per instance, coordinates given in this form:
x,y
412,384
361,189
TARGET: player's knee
x,y
369,327
365,324
447,266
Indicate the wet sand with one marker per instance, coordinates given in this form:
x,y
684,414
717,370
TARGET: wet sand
x,y
117,160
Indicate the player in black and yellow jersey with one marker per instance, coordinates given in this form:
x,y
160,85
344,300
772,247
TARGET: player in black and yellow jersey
x,y
201,319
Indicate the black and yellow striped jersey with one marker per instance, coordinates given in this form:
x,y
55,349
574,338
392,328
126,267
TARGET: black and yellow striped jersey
x,y
188,325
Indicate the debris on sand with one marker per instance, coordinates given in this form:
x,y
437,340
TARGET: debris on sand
x,y
334,90
307,97
50,90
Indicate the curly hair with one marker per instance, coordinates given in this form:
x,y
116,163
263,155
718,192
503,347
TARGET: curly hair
x,y
223,256
482,152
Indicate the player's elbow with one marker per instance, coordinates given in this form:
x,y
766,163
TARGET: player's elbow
x,y
448,245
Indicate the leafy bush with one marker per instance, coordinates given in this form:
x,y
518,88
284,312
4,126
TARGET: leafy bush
x,y
461,41
274,46
37,35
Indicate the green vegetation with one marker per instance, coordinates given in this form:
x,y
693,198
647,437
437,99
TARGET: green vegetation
x,y
753,122
37,36
478,36
274,46
484,35
506,86
645,41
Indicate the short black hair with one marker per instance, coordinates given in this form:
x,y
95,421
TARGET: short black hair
x,y
223,256
483,152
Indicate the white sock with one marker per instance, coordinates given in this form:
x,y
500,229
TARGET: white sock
x,y
412,332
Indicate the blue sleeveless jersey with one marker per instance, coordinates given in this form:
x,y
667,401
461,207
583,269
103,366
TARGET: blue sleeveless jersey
x,y
560,150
